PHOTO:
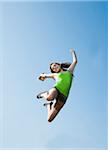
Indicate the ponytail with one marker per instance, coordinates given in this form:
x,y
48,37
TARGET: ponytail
x,y
64,66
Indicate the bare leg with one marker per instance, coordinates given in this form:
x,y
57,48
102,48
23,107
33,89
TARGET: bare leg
x,y
52,112
51,95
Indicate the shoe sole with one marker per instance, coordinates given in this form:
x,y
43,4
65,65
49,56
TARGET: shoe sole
x,y
39,95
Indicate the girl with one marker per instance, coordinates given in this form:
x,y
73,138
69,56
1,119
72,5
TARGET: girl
x,y
63,78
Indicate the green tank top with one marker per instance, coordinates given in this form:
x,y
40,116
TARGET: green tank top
x,y
63,82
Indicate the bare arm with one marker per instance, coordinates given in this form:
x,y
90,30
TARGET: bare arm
x,y
43,76
74,62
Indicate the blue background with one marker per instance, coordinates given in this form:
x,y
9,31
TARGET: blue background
x,y
32,35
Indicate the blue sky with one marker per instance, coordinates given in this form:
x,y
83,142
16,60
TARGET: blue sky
x,y
34,34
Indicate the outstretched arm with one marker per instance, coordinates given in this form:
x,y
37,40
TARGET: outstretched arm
x,y
43,76
74,62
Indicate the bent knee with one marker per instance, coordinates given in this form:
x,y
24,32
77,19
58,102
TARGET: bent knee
x,y
50,119
50,98
52,115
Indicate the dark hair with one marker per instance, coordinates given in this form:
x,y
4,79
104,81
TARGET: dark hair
x,y
64,66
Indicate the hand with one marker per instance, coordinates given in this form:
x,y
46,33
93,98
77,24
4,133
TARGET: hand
x,y
42,77
72,50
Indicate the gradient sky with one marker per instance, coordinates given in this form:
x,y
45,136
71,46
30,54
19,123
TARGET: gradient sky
x,y
32,35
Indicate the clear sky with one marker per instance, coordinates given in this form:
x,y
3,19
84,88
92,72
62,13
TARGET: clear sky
x,y
32,35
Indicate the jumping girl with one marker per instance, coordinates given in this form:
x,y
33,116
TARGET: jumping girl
x,y
63,75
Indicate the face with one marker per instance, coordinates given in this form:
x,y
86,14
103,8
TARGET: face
x,y
56,67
